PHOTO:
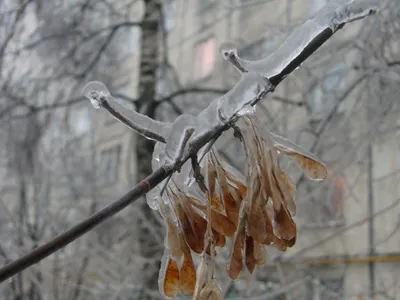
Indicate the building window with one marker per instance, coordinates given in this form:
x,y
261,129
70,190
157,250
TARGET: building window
x,y
316,5
109,164
204,58
79,119
324,95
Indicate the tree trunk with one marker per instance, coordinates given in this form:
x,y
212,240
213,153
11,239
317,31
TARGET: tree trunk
x,y
144,147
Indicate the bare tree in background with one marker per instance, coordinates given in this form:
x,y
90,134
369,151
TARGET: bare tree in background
x,y
48,44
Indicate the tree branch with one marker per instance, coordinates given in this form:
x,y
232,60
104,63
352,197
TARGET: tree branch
x,y
155,178
78,230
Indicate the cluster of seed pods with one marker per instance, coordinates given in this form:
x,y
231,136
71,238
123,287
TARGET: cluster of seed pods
x,y
254,211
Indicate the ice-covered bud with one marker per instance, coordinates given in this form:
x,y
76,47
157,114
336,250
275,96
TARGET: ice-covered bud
x,y
226,49
352,11
96,92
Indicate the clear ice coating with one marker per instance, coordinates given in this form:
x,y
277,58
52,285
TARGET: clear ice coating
x,y
336,13
178,179
93,91
172,137
182,129
237,102
226,48
309,163
277,139
99,95
332,15
154,195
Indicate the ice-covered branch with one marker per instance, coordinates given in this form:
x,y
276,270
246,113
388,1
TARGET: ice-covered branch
x,y
99,95
78,230
304,40
215,119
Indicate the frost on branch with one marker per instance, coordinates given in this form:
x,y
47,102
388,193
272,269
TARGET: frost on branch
x,y
255,210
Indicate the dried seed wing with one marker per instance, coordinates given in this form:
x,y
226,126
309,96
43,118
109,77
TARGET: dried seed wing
x,y
230,172
222,224
285,227
237,193
259,253
242,190
168,280
276,193
231,207
187,274
198,223
279,244
201,275
283,244
292,242
313,169
194,242
269,229
288,190
235,263
310,164
174,241
220,239
212,291
255,219
196,203
216,202
250,258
